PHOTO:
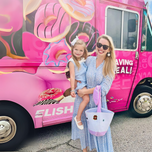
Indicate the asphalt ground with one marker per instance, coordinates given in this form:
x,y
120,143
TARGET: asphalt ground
x,y
129,135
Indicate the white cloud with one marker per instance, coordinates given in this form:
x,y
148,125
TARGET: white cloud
x,y
149,8
150,16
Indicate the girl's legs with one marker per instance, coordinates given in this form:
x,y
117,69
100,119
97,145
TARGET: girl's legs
x,y
82,106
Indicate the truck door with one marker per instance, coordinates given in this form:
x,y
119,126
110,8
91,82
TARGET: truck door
x,y
123,26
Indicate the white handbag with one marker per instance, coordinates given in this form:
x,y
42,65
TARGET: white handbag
x,y
98,118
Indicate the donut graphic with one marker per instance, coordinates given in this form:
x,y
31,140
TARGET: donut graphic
x,y
83,29
30,6
52,23
51,93
81,10
10,25
56,56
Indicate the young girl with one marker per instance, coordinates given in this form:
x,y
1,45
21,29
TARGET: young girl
x,y
77,69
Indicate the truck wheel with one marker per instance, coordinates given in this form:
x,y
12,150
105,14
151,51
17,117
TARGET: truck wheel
x,y
14,126
141,105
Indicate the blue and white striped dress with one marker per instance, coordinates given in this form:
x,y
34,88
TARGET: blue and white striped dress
x,y
94,77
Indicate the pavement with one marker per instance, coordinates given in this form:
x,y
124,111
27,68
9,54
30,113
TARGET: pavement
x,y
129,135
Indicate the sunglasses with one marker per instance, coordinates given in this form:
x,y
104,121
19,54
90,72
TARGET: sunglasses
x,y
105,47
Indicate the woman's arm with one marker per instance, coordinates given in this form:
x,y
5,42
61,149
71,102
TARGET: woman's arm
x,y
106,85
72,78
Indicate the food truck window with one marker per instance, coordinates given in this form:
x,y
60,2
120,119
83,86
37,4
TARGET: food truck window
x,y
114,26
146,33
122,26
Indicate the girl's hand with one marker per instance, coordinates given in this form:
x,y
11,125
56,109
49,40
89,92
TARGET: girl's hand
x,y
81,92
73,94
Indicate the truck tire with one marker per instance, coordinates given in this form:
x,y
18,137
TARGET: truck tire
x,y
14,126
141,104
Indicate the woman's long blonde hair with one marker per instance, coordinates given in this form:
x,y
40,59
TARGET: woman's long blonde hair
x,y
109,67
85,54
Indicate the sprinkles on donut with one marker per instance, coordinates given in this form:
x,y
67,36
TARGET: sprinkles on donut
x,y
52,93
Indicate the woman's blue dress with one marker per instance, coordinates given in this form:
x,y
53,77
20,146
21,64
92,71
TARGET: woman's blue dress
x,y
94,77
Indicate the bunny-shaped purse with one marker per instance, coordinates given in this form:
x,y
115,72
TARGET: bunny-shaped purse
x,y
98,118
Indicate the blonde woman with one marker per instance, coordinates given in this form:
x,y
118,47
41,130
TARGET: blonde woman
x,y
100,71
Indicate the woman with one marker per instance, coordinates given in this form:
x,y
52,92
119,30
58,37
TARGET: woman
x,y
101,71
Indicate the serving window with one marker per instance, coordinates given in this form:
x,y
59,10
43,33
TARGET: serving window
x,y
122,26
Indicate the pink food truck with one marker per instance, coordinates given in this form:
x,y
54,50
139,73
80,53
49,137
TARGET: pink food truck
x,y
35,43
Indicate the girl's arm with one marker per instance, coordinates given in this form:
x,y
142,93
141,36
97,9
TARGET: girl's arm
x,y
84,91
72,78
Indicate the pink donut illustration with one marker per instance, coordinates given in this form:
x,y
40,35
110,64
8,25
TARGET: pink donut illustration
x,y
11,18
56,56
85,31
11,21
52,93
52,23
82,10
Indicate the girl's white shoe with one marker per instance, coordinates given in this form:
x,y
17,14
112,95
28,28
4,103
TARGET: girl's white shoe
x,y
79,126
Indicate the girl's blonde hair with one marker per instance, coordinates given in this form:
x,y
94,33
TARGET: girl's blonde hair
x,y
109,67
85,54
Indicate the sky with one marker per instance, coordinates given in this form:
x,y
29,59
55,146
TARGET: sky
x,y
149,8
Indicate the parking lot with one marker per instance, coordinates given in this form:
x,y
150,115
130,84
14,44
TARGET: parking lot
x,y
129,135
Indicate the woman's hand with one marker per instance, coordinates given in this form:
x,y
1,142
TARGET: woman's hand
x,y
81,92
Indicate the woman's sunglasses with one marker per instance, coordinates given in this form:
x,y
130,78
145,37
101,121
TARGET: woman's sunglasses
x,y
105,47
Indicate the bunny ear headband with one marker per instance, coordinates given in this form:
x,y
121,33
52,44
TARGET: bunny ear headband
x,y
74,41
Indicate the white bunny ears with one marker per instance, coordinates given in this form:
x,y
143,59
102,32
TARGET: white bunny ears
x,y
74,41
